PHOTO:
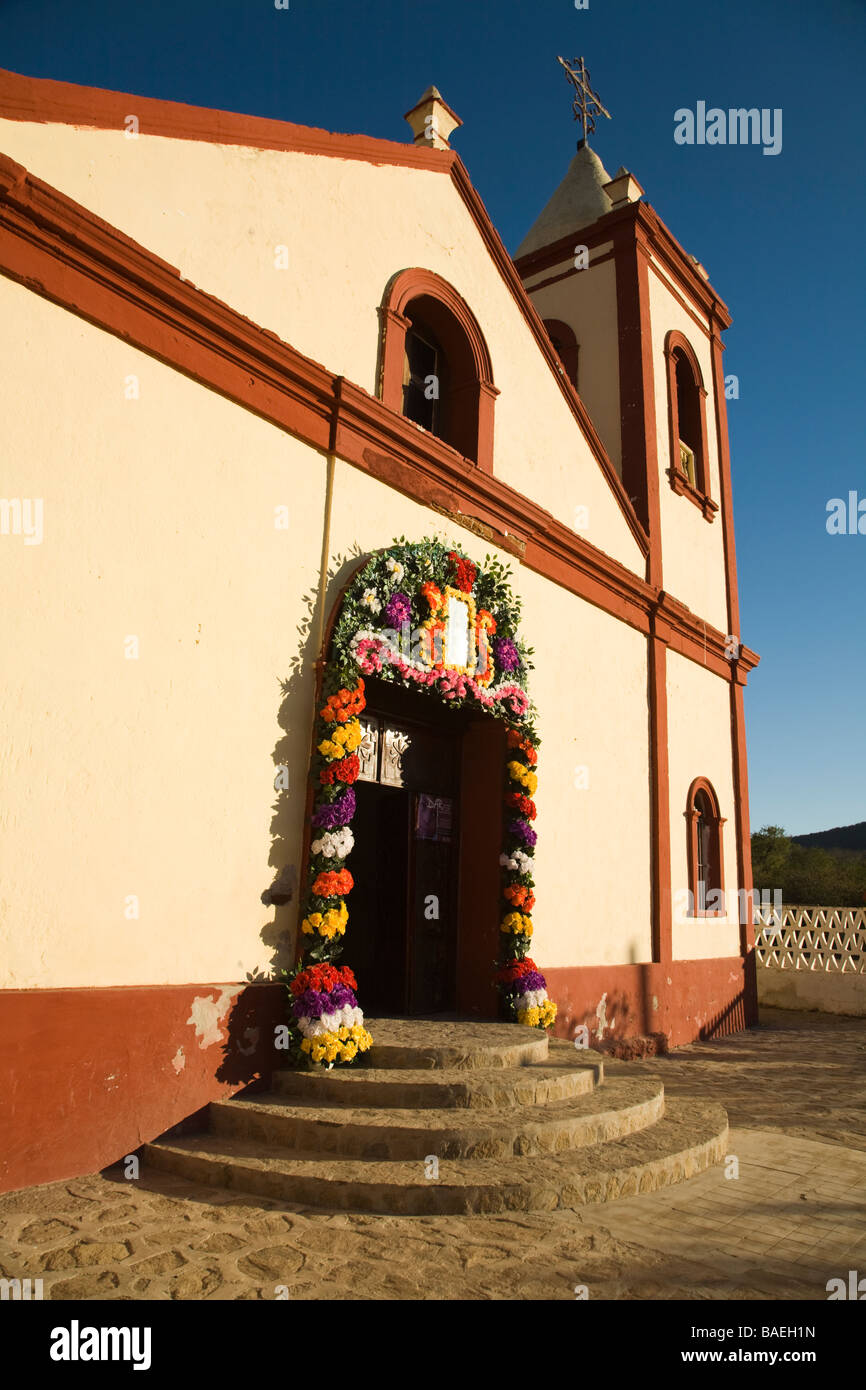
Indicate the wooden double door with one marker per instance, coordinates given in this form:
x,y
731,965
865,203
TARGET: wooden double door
x,y
421,854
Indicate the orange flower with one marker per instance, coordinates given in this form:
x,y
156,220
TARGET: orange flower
x,y
520,896
344,705
331,884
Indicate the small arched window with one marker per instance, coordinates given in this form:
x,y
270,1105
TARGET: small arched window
x,y
567,347
687,413
434,364
706,860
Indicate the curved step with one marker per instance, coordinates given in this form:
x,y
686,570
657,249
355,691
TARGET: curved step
x,y
691,1137
419,1044
617,1109
558,1078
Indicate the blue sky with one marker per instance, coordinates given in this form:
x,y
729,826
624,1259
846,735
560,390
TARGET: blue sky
x,y
782,237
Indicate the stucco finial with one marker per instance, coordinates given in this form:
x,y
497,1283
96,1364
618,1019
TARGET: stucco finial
x,y
432,120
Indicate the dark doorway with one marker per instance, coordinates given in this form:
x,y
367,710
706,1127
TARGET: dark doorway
x,y
423,845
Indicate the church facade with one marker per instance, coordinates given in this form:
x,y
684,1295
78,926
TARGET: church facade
x,y
258,381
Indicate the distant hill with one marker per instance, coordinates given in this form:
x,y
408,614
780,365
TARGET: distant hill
x,y
847,837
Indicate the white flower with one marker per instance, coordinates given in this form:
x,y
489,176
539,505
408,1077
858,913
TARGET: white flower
x,y
507,863
371,600
334,844
395,569
532,999
344,842
524,862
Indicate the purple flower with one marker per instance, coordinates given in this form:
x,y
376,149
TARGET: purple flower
x,y
310,1004
334,814
533,980
523,831
507,655
398,610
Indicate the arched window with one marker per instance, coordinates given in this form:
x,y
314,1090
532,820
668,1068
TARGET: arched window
x,y
706,860
434,364
566,345
687,413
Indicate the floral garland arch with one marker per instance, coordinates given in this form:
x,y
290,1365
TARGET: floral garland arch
x,y
426,617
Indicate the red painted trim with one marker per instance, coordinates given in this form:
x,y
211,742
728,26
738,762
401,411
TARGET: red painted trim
x,y
700,324
567,274
472,400
725,491
738,722
640,475
684,999
61,251
678,347
659,241
89,1075
65,103
683,488
717,849
660,829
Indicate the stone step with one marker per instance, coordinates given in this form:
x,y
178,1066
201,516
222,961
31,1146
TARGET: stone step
x,y
456,1045
617,1109
690,1138
560,1077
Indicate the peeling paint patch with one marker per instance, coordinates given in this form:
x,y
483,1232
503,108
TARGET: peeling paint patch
x,y
207,1014
655,1003
601,1016
178,1061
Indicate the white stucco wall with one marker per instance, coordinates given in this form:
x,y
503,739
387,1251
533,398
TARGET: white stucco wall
x,y
219,213
692,548
699,742
150,777
153,777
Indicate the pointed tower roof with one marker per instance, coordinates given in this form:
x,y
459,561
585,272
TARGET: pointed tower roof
x,y
579,200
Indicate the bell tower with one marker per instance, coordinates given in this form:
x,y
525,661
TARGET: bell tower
x,y
638,329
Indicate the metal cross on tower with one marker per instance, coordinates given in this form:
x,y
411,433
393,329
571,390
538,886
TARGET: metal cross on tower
x,y
586,105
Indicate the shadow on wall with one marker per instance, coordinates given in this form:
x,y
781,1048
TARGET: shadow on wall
x,y
294,717
640,1017
248,1044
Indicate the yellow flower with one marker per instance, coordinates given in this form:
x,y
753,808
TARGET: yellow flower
x,y
352,735
529,1017
530,782
306,1045
517,922
329,749
350,1050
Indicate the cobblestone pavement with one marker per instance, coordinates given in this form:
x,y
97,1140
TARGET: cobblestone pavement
x,y
794,1217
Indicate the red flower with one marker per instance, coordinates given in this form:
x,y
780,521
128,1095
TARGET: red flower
x,y
513,970
524,805
322,979
344,770
465,572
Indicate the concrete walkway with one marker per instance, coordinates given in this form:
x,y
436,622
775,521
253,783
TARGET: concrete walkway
x,y
793,1217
